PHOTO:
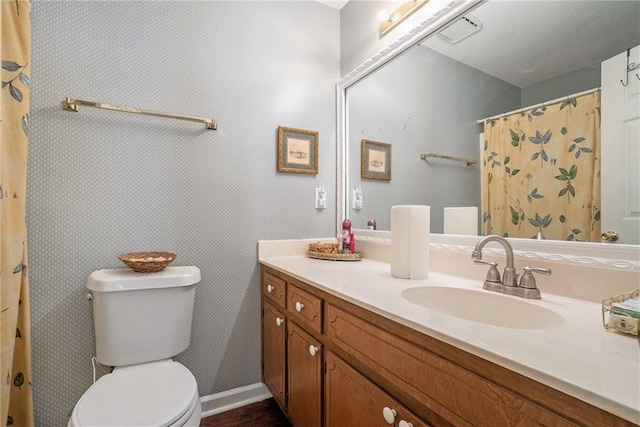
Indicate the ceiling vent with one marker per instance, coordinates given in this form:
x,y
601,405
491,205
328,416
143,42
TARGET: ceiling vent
x,y
461,29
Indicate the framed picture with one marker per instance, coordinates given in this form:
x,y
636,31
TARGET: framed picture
x,y
297,150
375,160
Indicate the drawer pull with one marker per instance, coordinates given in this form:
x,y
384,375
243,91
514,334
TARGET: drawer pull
x,y
299,306
279,321
389,415
269,288
313,350
403,423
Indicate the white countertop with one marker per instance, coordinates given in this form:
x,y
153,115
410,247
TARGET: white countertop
x,y
579,357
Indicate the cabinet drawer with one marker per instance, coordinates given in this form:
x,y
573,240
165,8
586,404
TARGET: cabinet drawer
x,y
305,306
353,400
274,288
458,395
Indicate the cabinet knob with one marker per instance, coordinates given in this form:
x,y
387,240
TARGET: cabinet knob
x,y
269,288
389,415
299,306
404,423
279,321
313,350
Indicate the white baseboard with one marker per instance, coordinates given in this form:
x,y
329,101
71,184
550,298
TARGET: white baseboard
x,y
231,399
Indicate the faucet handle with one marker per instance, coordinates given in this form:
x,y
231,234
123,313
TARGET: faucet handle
x,y
481,261
493,275
528,281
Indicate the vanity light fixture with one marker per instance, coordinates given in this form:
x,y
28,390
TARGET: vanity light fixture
x,y
388,22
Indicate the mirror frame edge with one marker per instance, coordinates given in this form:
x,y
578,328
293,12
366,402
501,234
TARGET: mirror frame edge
x,y
598,254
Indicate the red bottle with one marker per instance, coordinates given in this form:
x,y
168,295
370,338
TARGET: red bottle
x,y
346,235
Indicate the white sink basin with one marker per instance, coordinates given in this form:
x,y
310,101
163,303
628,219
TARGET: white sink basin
x,y
484,307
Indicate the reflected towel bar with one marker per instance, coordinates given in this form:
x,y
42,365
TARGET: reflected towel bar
x,y
469,162
70,104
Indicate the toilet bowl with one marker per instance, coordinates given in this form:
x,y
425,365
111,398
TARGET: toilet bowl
x,y
159,394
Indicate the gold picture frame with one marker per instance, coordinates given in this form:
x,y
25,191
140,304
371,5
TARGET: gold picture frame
x,y
297,150
375,160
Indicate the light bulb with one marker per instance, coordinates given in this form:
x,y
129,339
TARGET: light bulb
x,y
383,16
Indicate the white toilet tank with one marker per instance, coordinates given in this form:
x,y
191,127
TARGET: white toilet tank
x,y
142,317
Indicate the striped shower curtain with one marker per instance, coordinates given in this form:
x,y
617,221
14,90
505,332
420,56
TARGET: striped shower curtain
x,y
15,356
541,172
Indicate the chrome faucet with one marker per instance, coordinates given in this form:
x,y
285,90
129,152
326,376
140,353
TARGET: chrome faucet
x,y
509,283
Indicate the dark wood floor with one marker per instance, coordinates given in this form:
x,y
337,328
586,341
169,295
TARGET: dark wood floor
x,y
266,413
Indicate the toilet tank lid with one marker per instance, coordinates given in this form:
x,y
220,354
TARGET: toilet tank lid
x,y
125,279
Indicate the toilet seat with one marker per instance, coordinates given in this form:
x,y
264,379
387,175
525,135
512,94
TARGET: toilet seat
x,y
161,394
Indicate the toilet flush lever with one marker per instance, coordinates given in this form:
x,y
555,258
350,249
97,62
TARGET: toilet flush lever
x,y
89,296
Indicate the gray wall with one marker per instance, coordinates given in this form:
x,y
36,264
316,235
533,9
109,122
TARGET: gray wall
x,y
568,84
359,34
104,183
422,102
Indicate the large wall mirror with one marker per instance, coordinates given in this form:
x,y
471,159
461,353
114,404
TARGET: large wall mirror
x,y
430,98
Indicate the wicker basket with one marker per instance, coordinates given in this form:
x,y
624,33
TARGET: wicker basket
x,y
357,256
147,262
325,248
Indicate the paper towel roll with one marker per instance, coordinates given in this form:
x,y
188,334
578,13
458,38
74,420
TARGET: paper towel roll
x,y
410,241
461,221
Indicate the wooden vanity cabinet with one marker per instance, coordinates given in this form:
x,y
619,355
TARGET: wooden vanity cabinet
x,y
363,362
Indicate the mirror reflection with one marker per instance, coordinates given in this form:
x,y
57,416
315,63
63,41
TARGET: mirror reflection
x,y
432,103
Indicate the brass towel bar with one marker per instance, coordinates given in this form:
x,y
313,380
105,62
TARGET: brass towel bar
x,y
70,104
469,162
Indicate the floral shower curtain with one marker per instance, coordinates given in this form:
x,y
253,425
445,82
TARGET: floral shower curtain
x,y
541,172
15,356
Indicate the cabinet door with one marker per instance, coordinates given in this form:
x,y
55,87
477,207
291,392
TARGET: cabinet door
x,y
353,400
273,352
304,378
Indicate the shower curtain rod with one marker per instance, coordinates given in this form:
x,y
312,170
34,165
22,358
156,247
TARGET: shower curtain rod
x,y
542,104
70,104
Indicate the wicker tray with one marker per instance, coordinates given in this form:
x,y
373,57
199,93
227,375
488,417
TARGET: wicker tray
x,y
147,262
335,257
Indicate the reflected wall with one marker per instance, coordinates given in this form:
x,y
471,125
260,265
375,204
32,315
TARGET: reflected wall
x,y
421,102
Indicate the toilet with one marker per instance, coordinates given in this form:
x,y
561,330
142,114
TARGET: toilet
x,y
141,321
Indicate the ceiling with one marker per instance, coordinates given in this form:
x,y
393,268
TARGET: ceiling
x,y
524,42
337,4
